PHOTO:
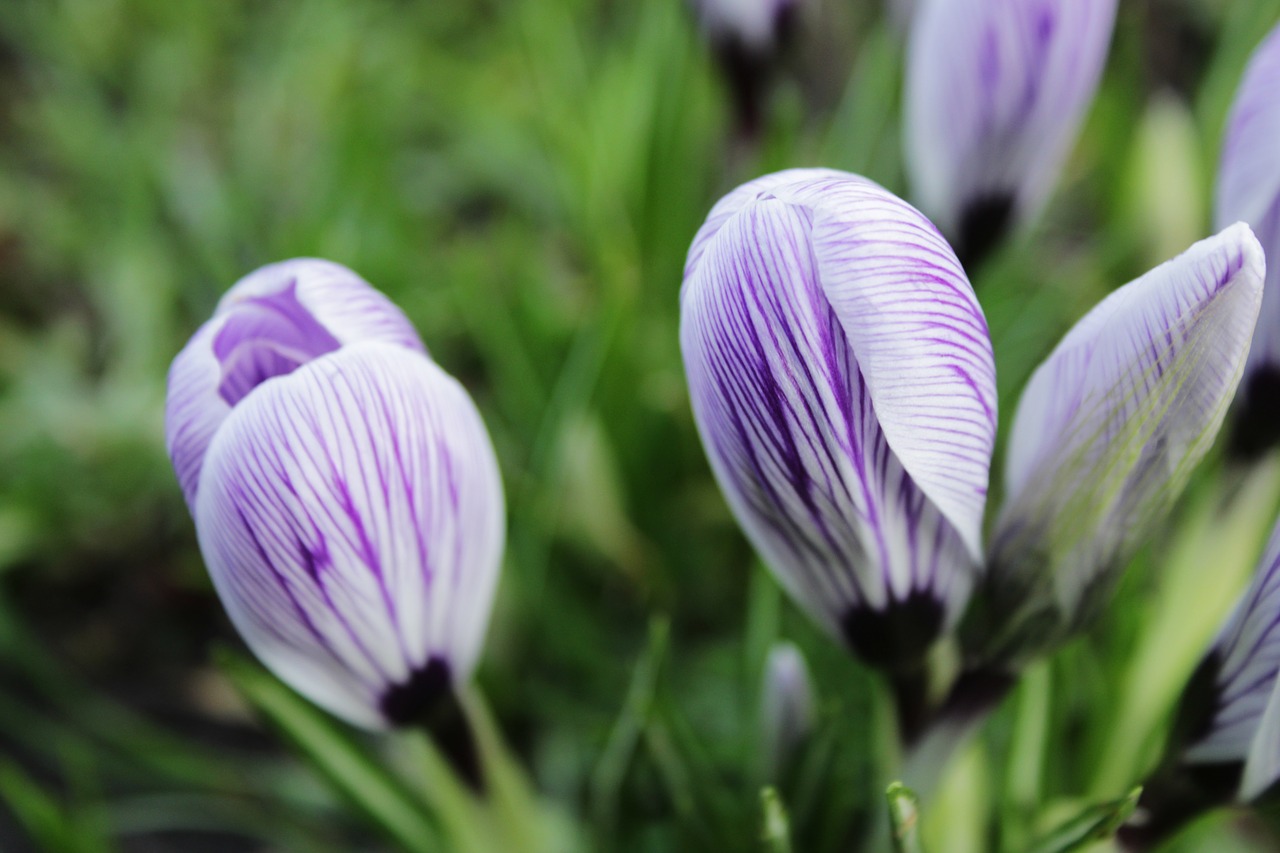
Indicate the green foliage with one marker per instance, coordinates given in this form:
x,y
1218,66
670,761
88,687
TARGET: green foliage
x,y
523,178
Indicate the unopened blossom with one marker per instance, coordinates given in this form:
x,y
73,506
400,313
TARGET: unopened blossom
x,y
996,91
748,37
842,381
345,492
1107,432
1225,743
1249,190
786,705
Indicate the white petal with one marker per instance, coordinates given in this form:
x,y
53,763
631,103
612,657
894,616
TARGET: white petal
x,y
995,94
351,516
1112,423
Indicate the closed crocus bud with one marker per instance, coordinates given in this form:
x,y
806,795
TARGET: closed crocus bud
x,y
1106,434
786,706
345,492
842,381
995,94
1249,191
1225,744
748,36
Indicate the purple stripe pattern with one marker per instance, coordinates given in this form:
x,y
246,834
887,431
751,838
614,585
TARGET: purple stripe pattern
x,y
345,493
1245,658
842,380
271,321
995,94
1110,426
1249,191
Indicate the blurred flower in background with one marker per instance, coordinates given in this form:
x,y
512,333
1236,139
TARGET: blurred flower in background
x,y
843,385
344,489
1249,190
786,706
749,37
996,91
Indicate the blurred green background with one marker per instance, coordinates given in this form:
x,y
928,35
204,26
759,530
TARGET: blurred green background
x,y
523,177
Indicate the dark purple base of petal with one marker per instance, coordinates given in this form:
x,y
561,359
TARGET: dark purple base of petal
x,y
983,226
898,637
749,70
1257,427
1172,800
428,700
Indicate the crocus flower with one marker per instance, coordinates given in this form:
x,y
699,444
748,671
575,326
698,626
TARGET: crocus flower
x,y
1225,744
786,705
747,37
1249,191
345,493
842,381
995,94
1107,432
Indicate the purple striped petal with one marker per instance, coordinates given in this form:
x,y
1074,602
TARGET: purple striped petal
x,y
1243,660
842,381
995,94
1112,423
351,515
271,322
1249,191
1262,769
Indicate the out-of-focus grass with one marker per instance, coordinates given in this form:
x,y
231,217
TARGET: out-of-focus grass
x,y
523,177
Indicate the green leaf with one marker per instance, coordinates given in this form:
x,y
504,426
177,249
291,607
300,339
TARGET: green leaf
x,y
776,832
368,786
1095,823
904,818
45,819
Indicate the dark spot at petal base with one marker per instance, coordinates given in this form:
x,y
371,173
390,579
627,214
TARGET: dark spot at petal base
x,y
984,224
416,700
1257,426
428,700
897,637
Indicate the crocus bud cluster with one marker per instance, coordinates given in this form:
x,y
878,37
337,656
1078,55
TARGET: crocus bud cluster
x,y
345,493
842,381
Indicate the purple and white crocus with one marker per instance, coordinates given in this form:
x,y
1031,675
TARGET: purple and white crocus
x,y
1225,744
1249,191
345,492
748,37
842,381
1107,432
995,94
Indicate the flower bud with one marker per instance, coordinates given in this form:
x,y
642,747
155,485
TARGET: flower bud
x,y
1107,432
995,94
843,384
1249,191
345,492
